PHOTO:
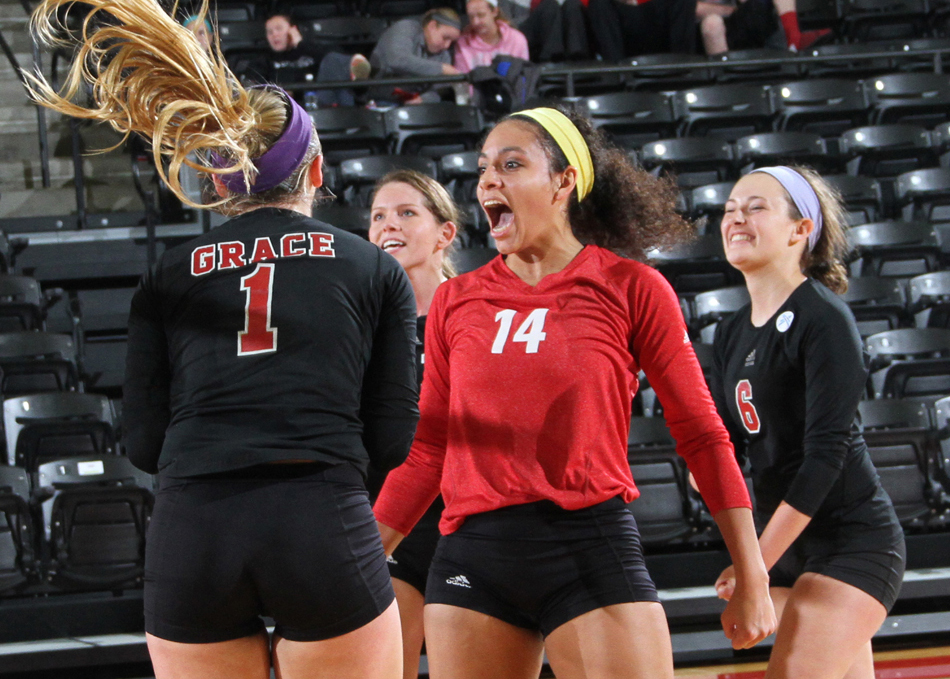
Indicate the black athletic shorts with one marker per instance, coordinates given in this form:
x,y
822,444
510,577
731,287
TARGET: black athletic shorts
x,y
410,562
296,542
751,24
538,566
863,547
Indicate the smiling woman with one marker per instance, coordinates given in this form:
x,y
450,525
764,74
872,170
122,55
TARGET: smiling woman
x,y
531,363
789,372
414,219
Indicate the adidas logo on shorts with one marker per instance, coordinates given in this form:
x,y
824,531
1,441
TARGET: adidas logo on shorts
x,y
390,559
459,581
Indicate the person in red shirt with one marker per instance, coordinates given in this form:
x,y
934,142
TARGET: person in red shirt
x,y
531,365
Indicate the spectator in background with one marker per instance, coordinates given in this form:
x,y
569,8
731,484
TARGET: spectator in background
x,y
632,28
414,47
488,33
288,49
557,30
201,27
747,24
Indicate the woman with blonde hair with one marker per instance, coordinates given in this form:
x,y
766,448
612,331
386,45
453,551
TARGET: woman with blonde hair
x,y
789,371
269,363
415,219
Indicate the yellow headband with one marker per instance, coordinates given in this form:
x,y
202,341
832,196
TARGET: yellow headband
x,y
569,139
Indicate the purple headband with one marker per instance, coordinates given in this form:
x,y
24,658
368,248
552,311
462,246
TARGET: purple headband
x,y
803,195
280,160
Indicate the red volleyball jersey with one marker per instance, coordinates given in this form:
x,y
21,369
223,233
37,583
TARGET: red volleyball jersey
x,y
527,393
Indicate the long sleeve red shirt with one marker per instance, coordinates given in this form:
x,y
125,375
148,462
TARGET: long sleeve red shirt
x,y
527,393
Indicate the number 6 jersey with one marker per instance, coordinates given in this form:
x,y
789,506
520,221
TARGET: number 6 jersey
x,y
527,392
788,392
274,337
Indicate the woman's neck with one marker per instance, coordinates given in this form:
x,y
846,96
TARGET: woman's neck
x,y
551,256
769,288
424,280
495,37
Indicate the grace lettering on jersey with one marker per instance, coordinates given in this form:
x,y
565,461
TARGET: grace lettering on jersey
x,y
234,254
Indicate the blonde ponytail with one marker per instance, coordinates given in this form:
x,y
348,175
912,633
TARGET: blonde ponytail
x,y
150,76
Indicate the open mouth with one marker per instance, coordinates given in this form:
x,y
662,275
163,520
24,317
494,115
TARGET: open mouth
x,y
391,245
500,217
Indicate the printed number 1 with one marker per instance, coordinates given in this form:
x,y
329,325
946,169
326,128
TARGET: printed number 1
x,y
258,337
531,332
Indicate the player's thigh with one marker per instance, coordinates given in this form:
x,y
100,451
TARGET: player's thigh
x,y
466,644
824,626
623,641
779,597
244,658
411,603
373,651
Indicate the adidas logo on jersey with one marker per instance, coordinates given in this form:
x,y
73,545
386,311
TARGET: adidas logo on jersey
x,y
459,581
750,359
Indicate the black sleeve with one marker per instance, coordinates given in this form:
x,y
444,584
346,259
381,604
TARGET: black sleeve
x,y
835,379
718,392
145,402
390,400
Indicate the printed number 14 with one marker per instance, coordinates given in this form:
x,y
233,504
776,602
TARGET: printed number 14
x,y
531,332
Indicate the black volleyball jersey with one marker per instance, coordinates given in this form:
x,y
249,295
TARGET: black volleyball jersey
x,y
274,337
788,392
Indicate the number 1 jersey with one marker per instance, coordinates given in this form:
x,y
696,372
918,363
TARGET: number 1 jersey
x,y
527,392
274,337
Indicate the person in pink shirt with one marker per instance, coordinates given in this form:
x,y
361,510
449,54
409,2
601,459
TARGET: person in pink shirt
x,y
488,33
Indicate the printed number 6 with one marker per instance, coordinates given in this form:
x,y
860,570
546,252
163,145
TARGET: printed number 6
x,y
750,418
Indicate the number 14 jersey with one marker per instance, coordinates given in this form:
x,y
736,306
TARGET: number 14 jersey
x,y
527,392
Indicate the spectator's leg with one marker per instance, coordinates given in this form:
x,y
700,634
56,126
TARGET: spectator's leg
x,y
681,18
543,29
576,45
604,16
713,28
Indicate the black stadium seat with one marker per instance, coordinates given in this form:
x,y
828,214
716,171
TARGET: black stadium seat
x,y
929,299
56,425
37,361
347,132
663,511
910,362
96,512
886,150
711,307
348,34
862,196
631,118
695,161
824,106
783,148
240,34
459,172
22,304
924,194
352,219
877,304
434,130
864,20
708,202
898,435
912,98
724,111
666,72
697,266
895,249
359,175
768,73
17,553
469,259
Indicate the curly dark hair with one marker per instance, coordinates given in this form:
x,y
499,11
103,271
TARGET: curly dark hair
x,y
628,210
